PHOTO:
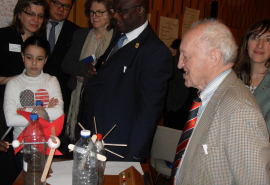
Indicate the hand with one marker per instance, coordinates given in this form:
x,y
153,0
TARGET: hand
x,y
52,103
21,109
90,70
80,78
3,146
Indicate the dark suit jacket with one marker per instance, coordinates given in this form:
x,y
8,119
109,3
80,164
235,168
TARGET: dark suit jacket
x,y
129,91
53,65
71,64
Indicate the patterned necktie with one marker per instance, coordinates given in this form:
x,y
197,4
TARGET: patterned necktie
x,y
52,35
118,45
186,134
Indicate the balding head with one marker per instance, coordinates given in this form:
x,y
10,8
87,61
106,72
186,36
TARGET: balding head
x,y
207,50
218,36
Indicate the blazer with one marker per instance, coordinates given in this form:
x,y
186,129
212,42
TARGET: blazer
x,y
233,128
71,64
53,65
262,95
11,62
129,92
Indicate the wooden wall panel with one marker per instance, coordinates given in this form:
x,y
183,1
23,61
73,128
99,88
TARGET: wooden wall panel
x,y
225,16
243,6
237,14
220,13
201,8
207,8
194,4
234,19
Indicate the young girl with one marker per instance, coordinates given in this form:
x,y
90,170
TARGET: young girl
x,y
22,91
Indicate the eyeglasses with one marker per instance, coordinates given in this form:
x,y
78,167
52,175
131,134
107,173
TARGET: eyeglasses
x,y
98,13
59,5
122,11
33,15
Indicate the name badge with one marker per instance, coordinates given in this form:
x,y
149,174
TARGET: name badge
x,y
15,47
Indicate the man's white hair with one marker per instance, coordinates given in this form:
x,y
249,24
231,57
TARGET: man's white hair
x,y
218,36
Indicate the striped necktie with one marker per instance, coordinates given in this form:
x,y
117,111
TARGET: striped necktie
x,y
186,134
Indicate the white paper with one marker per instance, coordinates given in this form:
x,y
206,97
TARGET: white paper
x,y
15,47
6,12
62,171
114,168
25,166
168,30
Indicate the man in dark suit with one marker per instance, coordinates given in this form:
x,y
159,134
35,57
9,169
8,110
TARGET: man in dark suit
x,y
63,34
60,38
129,87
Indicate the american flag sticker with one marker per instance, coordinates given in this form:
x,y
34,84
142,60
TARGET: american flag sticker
x,y
27,98
42,95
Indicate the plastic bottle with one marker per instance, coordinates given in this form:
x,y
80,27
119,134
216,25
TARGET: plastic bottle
x,y
101,164
34,147
84,170
40,111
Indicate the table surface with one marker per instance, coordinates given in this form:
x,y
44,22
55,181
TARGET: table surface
x,y
109,179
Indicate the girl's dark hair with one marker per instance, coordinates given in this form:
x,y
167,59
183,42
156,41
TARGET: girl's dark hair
x,y
21,6
243,64
37,41
108,5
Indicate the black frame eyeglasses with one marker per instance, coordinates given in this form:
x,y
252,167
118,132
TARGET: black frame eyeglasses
x,y
33,15
98,13
122,11
59,5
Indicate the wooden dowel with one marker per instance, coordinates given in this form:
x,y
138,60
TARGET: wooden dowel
x,y
49,160
95,124
110,144
109,132
47,166
81,126
114,153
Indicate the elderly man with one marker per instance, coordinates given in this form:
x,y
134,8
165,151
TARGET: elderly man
x,y
129,88
229,142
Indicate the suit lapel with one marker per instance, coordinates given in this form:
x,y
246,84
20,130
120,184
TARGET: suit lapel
x,y
125,55
61,39
203,125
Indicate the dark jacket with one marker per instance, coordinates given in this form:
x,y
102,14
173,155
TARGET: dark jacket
x,y
129,91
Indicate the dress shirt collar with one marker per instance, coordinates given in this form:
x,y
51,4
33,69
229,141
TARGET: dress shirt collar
x,y
58,28
135,33
210,88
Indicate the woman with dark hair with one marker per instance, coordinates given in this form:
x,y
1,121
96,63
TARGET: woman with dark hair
x,y
253,63
30,18
88,42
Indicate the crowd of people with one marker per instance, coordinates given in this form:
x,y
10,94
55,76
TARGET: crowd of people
x,y
118,72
